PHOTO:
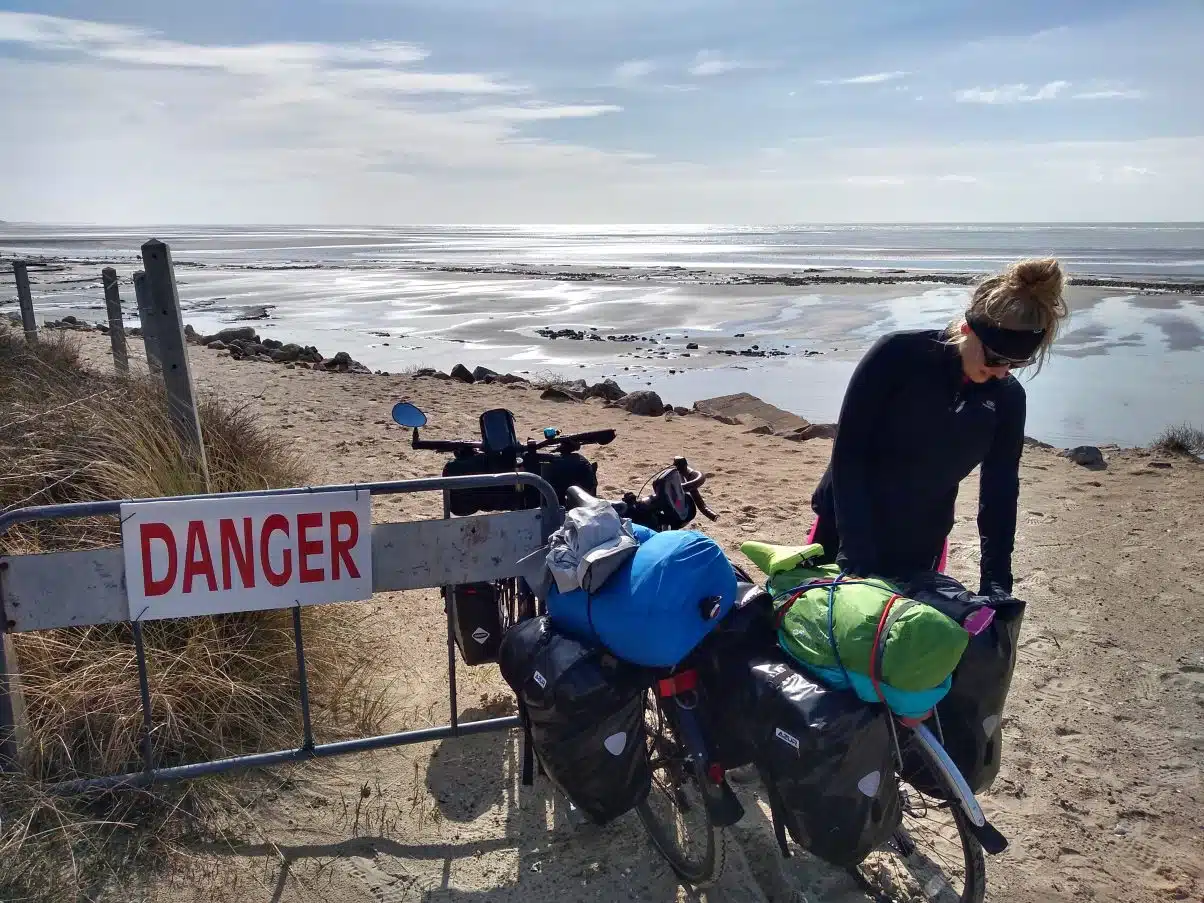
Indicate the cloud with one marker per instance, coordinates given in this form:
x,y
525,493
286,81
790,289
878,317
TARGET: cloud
x,y
1015,93
1110,94
536,112
874,78
633,70
371,65
711,62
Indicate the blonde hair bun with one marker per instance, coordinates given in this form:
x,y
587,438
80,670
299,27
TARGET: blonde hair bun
x,y
1039,278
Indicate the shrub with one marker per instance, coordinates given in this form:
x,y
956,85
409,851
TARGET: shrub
x,y
1183,439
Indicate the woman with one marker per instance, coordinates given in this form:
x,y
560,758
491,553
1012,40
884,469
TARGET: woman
x,y
922,410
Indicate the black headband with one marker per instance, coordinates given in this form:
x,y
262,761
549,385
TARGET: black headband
x,y
1014,344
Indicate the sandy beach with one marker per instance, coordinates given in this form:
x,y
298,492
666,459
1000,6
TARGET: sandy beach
x,y
1101,787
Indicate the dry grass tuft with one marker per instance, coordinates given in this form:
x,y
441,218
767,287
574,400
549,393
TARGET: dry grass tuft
x,y
219,686
1184,439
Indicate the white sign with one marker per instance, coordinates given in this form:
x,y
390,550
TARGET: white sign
x,y
216,556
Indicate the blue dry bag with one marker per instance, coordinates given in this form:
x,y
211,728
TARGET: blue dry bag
x,y
651,611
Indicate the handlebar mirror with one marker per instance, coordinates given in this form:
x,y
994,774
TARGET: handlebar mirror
x,y
406,414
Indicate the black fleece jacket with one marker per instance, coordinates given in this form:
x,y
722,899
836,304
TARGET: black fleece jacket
x,y
911,428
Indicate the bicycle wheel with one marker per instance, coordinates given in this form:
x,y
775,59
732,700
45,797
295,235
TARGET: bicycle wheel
x,y
515,602
932,856
675,813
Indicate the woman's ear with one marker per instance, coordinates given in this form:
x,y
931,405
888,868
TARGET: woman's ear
x,y
964,328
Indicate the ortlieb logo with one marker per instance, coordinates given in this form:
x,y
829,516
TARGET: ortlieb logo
x,y
480,635
540,679
616,743
789,738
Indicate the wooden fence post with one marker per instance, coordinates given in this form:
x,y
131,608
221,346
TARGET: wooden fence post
x,y
166,324
12,708
142,293
121,358
21,273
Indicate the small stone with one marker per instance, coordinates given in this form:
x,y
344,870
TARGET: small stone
x,y
218,346
693,346
484,375
460,373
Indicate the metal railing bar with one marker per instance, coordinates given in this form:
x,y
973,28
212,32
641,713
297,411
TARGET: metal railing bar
x,y
259,760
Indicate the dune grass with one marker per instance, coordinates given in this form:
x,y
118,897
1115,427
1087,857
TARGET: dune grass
x,y
1183,439
219,686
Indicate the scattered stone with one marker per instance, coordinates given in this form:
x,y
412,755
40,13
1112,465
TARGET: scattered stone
x,y
607,389
1036,443
682,412
693,346
484,375
460,373
70,320
286,354
748,409
510,379
555,393
1084,456
643,403
234,333
273,344
218,346
763,430
811,431
191,335
256,312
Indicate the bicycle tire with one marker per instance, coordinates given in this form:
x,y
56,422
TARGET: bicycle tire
x,y
696,872
973,859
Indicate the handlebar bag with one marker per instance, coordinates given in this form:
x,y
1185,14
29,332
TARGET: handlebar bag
x,y
658,606
465,502
827,762
584,710
573,469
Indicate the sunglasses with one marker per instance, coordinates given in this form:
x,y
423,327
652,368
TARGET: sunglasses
x,y
991,359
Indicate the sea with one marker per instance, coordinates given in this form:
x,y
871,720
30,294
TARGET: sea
x,y
782,312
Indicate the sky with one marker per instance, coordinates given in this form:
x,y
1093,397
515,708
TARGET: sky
x,y
576,111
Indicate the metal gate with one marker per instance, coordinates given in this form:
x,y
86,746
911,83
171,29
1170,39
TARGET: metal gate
x,y
89,587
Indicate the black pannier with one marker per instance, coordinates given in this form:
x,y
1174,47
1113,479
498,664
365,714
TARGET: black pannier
x,y
971,714
476,621
584,710
827,761
744,638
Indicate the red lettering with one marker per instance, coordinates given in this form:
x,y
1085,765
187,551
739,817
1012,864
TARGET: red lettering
x,y
340,548
243,553
307,547
272,524
161,532
198,561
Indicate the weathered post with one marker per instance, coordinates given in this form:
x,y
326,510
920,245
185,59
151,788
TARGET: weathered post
x,y
121,358
10,707
142,294
21,273
163,317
